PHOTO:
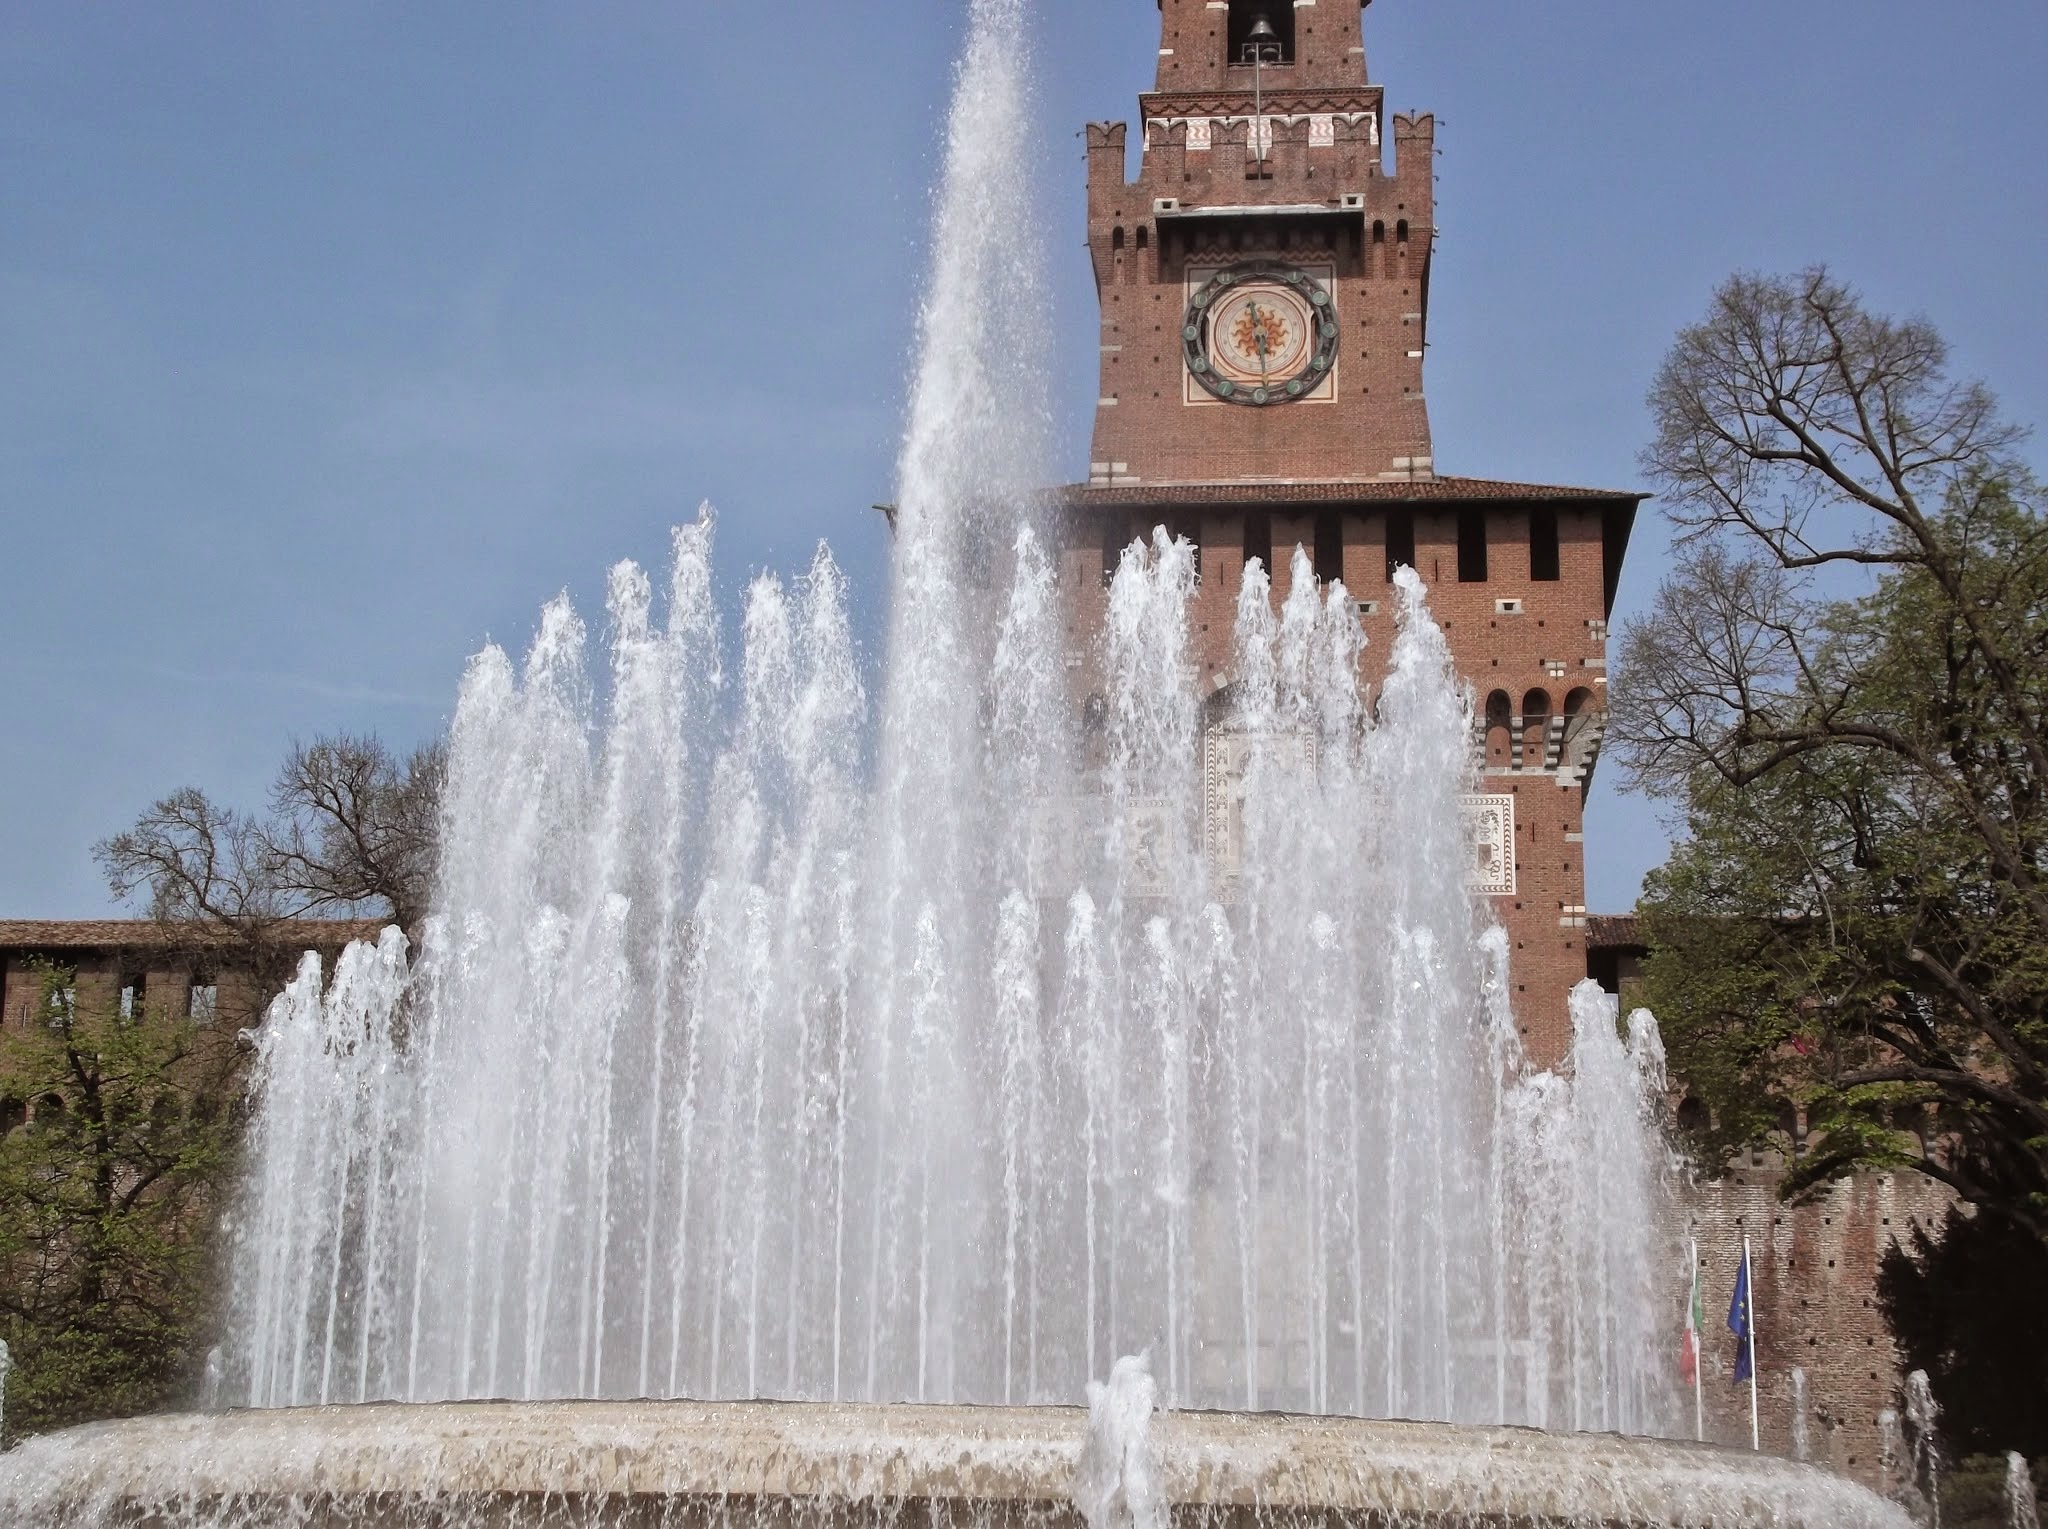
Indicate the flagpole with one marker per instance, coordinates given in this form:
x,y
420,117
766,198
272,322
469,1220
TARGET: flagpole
x,y
1699,1406
1749,1289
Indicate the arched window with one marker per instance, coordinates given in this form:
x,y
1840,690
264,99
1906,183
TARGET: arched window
x,y
1694,1119
1401,232
1579,717
1379,232
13,1115
1116,239
1535,728
1245,15
1144,236
49,1108
1500,731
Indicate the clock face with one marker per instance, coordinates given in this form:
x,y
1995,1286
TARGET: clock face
x,y
1260,333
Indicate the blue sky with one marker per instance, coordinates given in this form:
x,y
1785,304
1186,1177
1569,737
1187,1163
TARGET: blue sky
x,y
334,338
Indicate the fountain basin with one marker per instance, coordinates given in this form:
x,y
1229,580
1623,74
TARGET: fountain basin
x,y
481,1465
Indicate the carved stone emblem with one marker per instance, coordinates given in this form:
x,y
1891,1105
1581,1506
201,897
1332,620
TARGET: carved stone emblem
x,y
1226,761
1490,830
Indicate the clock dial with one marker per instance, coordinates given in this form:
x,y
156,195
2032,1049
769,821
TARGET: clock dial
x,y
1260,333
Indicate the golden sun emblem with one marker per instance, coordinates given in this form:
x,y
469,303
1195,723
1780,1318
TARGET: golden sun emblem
x,y
1259,322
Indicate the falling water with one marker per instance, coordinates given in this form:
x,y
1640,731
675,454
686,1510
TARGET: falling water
x,y
732,1064
1800,1446
6,1369
1117,1480
1923,1413
2023,1508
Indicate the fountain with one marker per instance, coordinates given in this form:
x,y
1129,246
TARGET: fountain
x,y
2022,1508
780,1134
1923,1414
1801,1448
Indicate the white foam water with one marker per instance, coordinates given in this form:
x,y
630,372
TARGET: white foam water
x,y
2023,1508
1116,1482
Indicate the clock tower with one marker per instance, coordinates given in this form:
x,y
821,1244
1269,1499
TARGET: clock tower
x,y
1265,280
1265,290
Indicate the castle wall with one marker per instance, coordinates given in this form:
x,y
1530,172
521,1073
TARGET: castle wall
x,y
1816,1304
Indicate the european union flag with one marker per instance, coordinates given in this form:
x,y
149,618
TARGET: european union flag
x,y
1739,1322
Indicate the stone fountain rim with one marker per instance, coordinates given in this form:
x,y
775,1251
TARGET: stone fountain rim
x,y
908,1452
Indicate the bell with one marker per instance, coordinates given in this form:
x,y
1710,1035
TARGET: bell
x,y
1263,44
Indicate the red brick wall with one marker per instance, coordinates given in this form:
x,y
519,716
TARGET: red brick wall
x,y
1816,1307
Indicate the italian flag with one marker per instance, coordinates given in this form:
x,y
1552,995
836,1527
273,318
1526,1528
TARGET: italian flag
x,y
1689,1356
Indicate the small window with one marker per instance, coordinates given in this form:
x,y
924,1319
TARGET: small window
x,y
1258,539
1471,546
1116,239
1144,236
1543,546
1379,231
1693,1117
1400,542
1329,546
13,1116
203,1005
134,988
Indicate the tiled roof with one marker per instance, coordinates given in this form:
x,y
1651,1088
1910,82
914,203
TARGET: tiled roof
x,y
148,934
1391,491
1614,931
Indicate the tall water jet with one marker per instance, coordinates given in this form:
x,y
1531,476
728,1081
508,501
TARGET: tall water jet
x,y
1923,1413
1116,1483
2023,1508
1800,1447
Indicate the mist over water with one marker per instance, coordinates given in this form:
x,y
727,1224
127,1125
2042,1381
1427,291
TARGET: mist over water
x,y
735,1063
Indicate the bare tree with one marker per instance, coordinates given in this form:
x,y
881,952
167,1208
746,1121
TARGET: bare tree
x,y
351,832
354,829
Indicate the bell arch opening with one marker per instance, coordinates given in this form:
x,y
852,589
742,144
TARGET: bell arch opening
x,y
1249,44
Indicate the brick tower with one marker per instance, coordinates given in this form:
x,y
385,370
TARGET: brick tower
x,y
1265,288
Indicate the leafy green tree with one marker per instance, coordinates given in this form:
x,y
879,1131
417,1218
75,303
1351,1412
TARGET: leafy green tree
x,y
110,1200
1841,688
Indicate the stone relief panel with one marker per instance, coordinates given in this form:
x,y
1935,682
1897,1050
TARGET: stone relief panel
x,y
1490,830
1066,841
1226,761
